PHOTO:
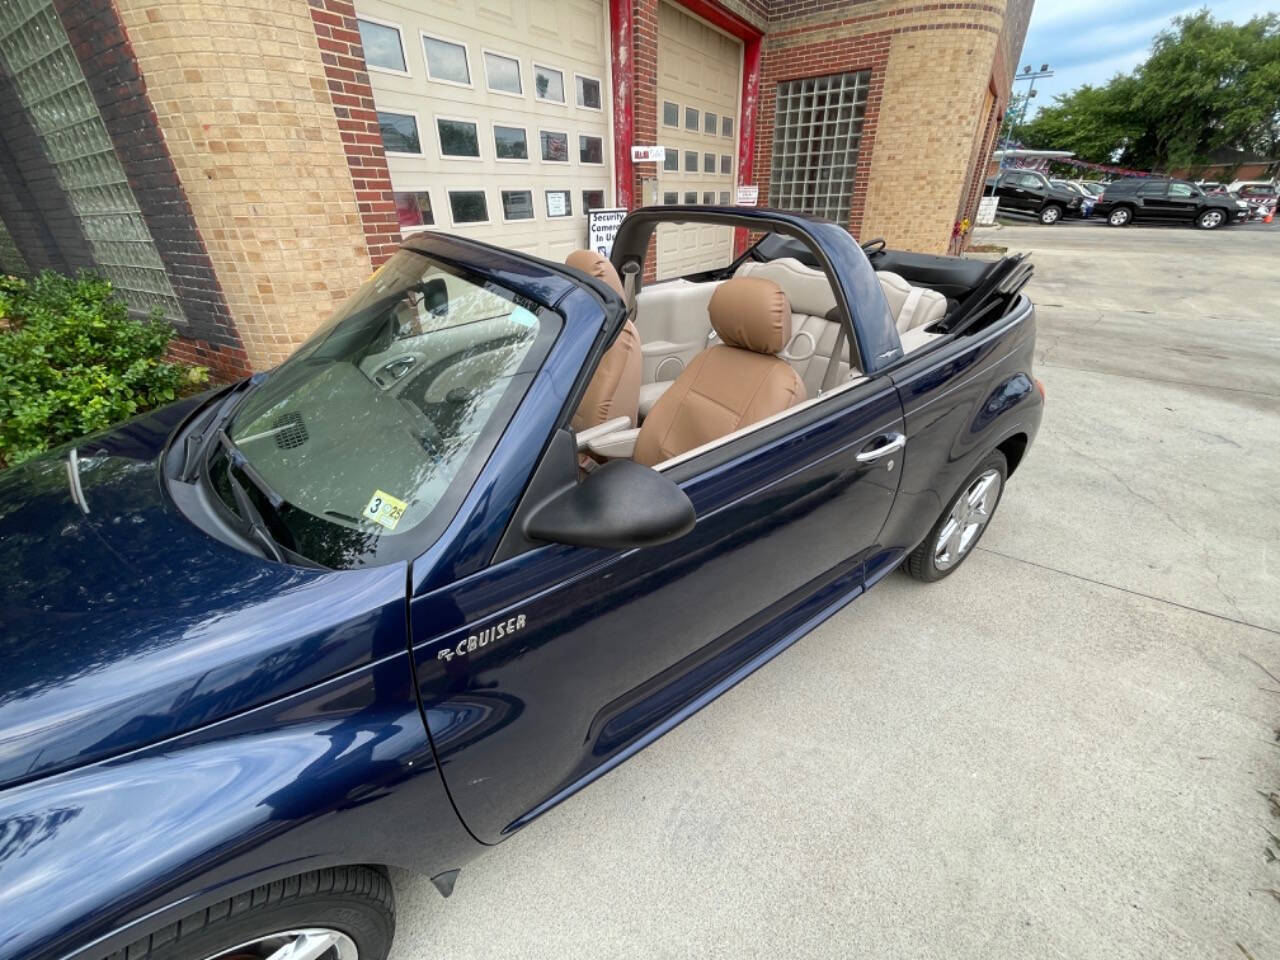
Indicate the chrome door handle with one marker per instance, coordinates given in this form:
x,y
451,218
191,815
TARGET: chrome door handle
x,y
896,442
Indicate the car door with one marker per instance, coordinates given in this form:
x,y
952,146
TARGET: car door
x,y
544,670
1153,202
1012,194
1181,201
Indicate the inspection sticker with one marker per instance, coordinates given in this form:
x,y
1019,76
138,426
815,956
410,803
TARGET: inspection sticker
x,y
385,509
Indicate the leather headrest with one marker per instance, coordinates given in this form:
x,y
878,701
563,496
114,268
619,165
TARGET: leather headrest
x,y
595,265
751,313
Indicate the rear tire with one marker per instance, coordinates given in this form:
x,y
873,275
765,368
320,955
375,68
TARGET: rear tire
x,y
1120,217
951,540
354,906
1051,214
1211,220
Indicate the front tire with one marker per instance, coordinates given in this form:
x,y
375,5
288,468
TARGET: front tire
x,y
1120,217
962,523
1050,215
341,913
1211,220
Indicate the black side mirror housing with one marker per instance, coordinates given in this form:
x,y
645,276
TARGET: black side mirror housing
x,y
619,506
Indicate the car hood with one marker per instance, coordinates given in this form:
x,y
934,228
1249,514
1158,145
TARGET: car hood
x,y
128,624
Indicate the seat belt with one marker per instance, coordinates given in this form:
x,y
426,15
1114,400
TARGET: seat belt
x,y
909,306
833,365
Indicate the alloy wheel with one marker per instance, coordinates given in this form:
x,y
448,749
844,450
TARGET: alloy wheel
x,y
312,943
1211,219
1050,215
969,515
1119,218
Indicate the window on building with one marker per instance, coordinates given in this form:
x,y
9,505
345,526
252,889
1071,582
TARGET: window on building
x,y
503,73
510,143
413,208
709,123
691,161
671,197
548,84
592,200
555,146
708,163
726,164
458,138
468,206
517,204
671,159
559,204
691,197
383,48
708,197
724,198
588,92
446,60
726,126
399,132
691,119
590,149
670,114
817,133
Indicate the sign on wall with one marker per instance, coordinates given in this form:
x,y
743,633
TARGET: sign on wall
x,y
748,195
987,211
602,227
648,154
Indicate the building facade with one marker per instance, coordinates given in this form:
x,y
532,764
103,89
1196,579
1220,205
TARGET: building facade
x,y
241,165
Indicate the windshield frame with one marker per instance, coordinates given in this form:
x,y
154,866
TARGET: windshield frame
x,y
214,459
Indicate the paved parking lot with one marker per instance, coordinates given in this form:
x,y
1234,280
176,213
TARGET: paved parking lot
x,y
1057,752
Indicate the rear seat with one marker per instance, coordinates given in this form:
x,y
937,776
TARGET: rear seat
x,y
912,306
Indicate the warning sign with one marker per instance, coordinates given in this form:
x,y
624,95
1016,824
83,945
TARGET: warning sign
x,y
602,227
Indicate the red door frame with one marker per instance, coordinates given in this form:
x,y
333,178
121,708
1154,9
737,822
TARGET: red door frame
x,y
620,16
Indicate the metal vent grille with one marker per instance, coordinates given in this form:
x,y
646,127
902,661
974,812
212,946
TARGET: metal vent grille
x,y
290,431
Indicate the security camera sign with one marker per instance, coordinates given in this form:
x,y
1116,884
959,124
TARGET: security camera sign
x,y
602,227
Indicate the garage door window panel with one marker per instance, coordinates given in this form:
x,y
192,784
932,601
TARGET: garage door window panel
x,y
708,163
510,144
468,207
502,74
726,164
670,114
400,133
592,200
548,84
671,159
671,198
448,61
555,146
691,119
414,209
559,204
459,138
517,205
590,150
726,127
709,123
588,91
691,161
383,45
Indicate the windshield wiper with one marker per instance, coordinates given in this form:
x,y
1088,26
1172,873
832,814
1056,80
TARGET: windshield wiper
x,y
250,514
194,444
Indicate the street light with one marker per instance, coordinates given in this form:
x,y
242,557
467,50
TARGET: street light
x,y
1026,74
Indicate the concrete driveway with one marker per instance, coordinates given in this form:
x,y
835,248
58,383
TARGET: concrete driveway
x,y
1057,752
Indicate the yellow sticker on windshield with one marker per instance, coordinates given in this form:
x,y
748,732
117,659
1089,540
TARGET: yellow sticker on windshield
x,y
384,509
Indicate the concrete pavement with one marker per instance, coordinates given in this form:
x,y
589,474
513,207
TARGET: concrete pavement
x,y
1056,752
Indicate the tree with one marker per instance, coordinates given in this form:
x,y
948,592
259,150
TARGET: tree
x,y
1208,86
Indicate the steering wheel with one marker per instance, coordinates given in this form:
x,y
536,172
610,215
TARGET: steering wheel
x,y
873,248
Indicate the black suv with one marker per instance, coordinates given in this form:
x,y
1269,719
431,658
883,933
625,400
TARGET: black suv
x,y
1124,201
1025,191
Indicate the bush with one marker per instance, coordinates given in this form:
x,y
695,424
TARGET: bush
x,y
73,361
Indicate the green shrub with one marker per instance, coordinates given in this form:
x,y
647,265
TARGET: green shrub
x,y
72,361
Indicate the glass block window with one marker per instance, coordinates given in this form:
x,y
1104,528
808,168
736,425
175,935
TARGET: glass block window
x,y
51,87
817,133
399,132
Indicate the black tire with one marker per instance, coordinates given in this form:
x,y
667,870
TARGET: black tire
x,y
357,901
922,562
1120,217
1050,214
1211,219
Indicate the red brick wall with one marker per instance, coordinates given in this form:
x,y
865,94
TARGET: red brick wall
x,y
842,55
348,77
644,101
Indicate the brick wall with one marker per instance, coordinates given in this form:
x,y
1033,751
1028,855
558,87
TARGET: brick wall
x,y
644,100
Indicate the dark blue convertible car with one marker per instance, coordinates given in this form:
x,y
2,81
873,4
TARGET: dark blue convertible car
x,y
497,526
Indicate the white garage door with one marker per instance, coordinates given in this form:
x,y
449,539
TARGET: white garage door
x,y
495,115
699,81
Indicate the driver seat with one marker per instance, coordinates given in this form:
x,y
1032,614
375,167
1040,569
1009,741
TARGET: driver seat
x,y
733,384
614,390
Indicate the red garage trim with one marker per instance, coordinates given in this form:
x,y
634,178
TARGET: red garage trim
x,y
751,59
623,119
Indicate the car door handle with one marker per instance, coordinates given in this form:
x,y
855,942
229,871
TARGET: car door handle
x,y
895,442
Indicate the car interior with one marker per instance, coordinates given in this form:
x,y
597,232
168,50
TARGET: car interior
x,y
704,358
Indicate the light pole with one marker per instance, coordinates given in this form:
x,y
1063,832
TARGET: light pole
x,y
1026,74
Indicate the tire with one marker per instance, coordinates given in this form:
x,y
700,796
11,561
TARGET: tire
x,y
1120,217
1211,219
1051,214
929,561
354,905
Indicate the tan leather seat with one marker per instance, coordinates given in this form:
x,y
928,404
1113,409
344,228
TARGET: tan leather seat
x,y
732,384
614,390
912,306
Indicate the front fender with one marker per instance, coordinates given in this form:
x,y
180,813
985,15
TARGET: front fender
x,y
96,857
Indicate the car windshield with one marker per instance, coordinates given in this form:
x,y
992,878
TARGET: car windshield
x,y
384,414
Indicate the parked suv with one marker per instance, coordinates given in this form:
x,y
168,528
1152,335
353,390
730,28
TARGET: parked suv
x,y
1173,200
1026,191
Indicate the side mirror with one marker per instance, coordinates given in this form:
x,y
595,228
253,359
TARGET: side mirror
x,y
618,506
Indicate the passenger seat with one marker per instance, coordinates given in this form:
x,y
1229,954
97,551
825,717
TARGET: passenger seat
x,y
614,390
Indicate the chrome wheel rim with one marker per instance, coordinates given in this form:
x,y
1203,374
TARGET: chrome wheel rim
x,y
1050,215
1212,219
969,515
1119,217
311,943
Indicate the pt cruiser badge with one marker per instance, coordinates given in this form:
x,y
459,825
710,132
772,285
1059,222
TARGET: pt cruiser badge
x,y
485,637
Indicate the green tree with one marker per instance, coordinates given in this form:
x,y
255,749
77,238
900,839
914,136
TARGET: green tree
x,y
1207,86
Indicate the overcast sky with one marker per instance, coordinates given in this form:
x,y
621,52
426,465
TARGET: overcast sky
x,y
1088,41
